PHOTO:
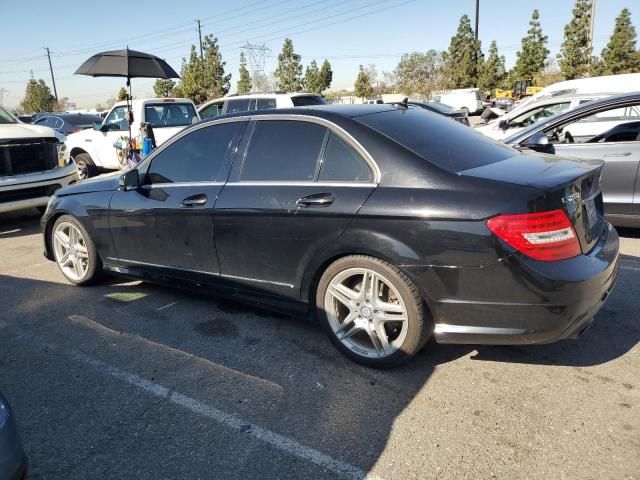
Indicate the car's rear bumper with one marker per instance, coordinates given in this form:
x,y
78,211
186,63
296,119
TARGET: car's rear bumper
x,y
523,301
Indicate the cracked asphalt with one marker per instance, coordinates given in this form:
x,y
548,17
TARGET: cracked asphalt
x,y
130,380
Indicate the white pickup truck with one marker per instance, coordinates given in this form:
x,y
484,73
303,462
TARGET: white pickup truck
x,y
93,150
32,164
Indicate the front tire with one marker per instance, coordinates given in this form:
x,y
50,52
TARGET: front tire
x,y
371,311
86,167
74,251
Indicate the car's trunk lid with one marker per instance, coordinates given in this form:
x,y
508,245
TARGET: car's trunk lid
x,y
571,185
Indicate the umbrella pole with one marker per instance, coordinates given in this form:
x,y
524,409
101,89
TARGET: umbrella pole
x,y
129,115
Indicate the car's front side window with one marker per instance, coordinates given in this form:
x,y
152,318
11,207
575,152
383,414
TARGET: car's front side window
x,y
196,157
534,116
117,119
212,110
283,150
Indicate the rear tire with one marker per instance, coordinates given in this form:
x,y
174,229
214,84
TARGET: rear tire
x,y
86,167
371,311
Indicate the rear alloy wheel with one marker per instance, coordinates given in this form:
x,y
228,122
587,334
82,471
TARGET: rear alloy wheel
x,y
85,166
372,311
74,251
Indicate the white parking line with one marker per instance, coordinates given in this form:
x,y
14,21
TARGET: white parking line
x,y
281,442
626,267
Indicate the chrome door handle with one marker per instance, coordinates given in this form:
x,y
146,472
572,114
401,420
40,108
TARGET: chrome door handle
x,y
625,154
316,200
194,200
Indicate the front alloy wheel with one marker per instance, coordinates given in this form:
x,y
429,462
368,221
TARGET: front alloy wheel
x,y
74,251
372,311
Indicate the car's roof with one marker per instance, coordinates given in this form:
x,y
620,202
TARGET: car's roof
x,y
260,95
576,112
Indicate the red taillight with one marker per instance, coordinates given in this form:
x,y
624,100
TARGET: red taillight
x,y
544,236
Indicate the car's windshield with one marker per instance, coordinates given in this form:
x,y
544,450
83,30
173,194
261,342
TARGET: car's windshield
x,y
449,145
6,117
169,114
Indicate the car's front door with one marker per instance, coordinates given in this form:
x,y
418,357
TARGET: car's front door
x,y
166,224
612,137
294,190
116,127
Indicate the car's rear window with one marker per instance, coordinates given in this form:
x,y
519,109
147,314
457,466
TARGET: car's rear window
x,y
304,100
449,145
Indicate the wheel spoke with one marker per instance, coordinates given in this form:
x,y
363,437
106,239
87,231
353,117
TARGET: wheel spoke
x,y
62,239
384,317
346,322
65,260
349,332
343,294
377,344
382,337
73,236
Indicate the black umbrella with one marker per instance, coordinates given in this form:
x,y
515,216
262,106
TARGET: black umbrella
x,y
129,64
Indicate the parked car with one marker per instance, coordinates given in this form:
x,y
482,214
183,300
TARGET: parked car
x,y
391,223
258,101
514,121
32,165
607,129
466,99
441,109
68,123
13,461
93,151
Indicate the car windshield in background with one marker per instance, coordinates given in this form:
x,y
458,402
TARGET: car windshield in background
x,y
6,117
169,114
441,107
81,119
430,136
304,100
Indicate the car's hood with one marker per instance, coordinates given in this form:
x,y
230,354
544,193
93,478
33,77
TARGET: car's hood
x,y
11,131
547,172
103,183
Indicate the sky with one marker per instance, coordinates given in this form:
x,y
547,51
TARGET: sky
x,y
346,32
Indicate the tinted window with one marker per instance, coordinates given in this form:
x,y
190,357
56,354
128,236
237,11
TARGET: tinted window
x,y
537,114
211,111
449,145
196,157
238,105
341,163
283,150
266,103
169,114
116,119
301,101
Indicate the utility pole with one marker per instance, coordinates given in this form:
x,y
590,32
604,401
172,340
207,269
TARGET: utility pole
x,y
53,80
2,92
477,17
200,37
592,19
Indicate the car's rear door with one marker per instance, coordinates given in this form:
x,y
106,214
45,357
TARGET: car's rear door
x,y
166,225
292,191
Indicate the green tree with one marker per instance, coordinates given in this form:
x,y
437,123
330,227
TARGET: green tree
x,y
312,80
326,76
362,87
533,52
244,83
122,94
204,79
463,59
620,55
575,54
417,73
37,98
289,71
163,87
493,72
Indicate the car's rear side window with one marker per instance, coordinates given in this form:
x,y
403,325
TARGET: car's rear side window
x,y
341,163
238,105
283,150
265,103
449,145
196,157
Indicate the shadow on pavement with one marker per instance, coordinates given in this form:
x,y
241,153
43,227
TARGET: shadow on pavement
x,y
18,224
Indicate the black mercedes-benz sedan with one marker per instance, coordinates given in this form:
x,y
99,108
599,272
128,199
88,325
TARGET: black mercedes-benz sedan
x,y
393,224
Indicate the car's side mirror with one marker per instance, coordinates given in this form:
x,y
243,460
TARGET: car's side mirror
x,y
537,140
503,124
129,180
99,127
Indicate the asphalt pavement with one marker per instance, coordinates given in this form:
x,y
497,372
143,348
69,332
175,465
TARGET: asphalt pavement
x,y
130,380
